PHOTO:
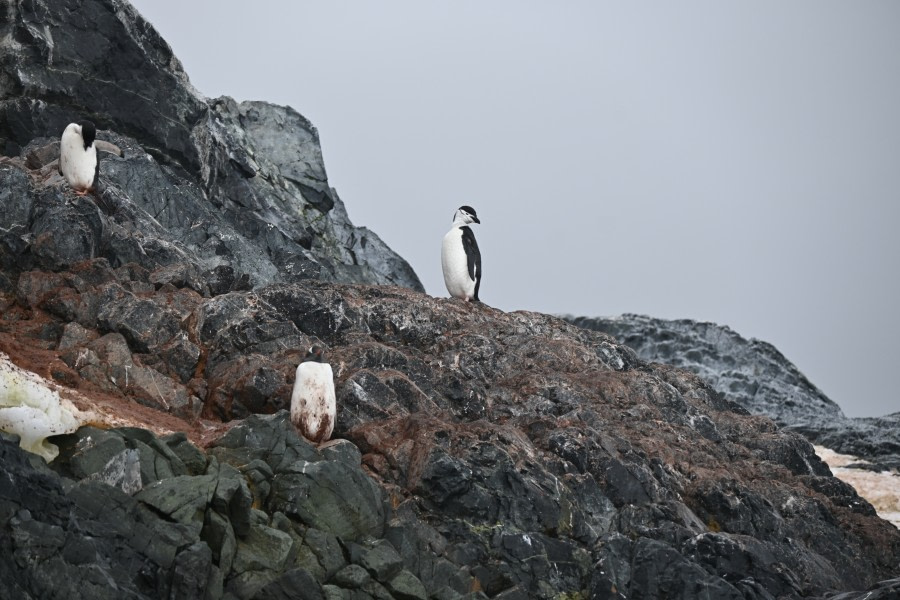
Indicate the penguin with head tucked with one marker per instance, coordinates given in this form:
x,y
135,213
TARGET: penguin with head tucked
x,y
313,405
79,162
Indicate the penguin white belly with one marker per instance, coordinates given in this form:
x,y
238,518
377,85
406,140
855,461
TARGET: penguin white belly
x,y
313,405
78,166
456,266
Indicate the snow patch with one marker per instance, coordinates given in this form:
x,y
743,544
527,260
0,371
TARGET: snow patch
x,y
882,490
31,409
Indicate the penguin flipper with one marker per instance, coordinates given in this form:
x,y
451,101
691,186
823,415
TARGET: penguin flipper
x,y
473,257
108,147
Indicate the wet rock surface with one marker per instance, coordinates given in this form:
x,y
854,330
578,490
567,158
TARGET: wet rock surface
x,y
757,376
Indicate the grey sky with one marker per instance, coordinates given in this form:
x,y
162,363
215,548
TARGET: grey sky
x,y
736,163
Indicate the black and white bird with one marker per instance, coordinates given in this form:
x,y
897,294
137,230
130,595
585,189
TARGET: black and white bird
x,y
460,257
313,405
78,159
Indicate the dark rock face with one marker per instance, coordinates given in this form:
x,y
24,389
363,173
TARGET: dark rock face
x,y
511,454
89,540
757,376
750,372
186,526
234,192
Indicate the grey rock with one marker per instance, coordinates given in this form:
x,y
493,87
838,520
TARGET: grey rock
x,y
884,590
874,439
327,549
239,186
752,373
342,451
514,593
114,455
181,357
64,233
739,558
122,471
333,592
406,586
194,575
296,584
375,590
381,561
219,535
423,550
263,548
183,499
149,386
35,287
447,593
291,143
179,275
144,323
331,497
324,494
84,543
259,476
158,460
533,449
74,335
352,577
108,363
89,451
755,375
15,194
188,454
663,572
231,497
271,439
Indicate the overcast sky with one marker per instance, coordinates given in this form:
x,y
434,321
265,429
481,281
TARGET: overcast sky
x,y
735,163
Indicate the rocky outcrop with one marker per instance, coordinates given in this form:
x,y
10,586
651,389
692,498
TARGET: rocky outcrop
x,y
510,454
238,191
476,454
125,513
757,376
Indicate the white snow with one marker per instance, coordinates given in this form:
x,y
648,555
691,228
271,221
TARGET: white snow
x,y
30,408
882,490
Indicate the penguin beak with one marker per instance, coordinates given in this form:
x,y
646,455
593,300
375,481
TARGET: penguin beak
x,y
475,220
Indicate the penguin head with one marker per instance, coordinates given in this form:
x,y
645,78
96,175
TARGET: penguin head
x,y
465,215
315,354
88,133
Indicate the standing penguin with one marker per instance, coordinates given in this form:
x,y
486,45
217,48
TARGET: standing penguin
x,y
78,160
313,406
460,257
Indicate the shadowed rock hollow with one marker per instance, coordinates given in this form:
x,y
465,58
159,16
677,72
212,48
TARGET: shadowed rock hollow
x,y
478,453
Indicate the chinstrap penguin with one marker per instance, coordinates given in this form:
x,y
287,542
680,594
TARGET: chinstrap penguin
x,y
313,406
460,257
79,162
